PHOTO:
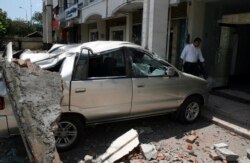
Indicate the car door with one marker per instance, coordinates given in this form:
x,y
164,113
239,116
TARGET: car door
x,y
100,88
153,90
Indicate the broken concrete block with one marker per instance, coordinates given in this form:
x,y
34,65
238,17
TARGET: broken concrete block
x,y
191,138
149,151
120,147
88,159
213,155
189,147
248,153
226,154
160,156
35,96
193,132
220,145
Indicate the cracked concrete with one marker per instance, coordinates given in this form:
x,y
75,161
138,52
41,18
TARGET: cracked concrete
x,y
35,97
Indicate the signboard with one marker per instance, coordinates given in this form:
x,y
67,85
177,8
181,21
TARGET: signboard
x,y
71,12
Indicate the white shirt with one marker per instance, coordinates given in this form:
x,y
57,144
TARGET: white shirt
x,y
192,54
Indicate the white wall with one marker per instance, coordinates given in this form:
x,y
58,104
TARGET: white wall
x,y
96,8
155,23
113,5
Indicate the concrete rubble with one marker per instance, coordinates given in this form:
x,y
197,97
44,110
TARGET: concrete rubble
x,y
120,147
88,159
226,154
220,145
35,96
149,151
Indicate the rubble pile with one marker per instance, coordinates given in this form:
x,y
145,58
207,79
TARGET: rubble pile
x,y
35,96
189,151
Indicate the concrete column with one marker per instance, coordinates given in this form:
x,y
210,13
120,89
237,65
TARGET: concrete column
x,y
157,16
129,27
101,27
196,15
145,19
223,57
47,24
84,33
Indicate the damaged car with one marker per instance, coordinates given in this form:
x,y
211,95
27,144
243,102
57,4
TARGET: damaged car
x,y
107,81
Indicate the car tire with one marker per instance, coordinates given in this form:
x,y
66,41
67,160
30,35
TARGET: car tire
x,y
69,132
190,110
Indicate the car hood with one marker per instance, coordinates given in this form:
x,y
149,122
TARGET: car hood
x,y
193,78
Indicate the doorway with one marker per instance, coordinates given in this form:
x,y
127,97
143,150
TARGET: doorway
x,y
117,33
240,67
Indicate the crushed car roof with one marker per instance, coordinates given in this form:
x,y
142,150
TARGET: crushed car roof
x,y
100,46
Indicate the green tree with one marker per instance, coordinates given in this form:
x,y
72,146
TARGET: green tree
x,y
20,28
3,23
37,18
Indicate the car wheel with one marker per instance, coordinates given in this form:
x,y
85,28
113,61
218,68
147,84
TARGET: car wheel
x,y
190,110
69,132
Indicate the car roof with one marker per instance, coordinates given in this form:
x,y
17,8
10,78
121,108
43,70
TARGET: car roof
x,y
100,46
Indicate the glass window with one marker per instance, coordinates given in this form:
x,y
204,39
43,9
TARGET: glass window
x,y
81,66
110,63
144,65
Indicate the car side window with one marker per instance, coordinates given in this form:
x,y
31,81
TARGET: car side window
x,y
143,65
107,64
81,67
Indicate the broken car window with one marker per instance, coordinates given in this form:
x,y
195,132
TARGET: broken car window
x,y
144,65
107,64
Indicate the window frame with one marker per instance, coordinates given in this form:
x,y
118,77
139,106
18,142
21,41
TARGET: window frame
x,y
77,60
90,53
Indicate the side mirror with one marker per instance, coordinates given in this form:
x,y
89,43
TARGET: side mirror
x,y
170,72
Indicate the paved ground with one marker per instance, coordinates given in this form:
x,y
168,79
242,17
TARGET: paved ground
x,y
168,136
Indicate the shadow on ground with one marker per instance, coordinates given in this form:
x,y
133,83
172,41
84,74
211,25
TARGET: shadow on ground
x,y
99,138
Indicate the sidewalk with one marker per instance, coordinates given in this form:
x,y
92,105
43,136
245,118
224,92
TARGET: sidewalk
x,y
230,110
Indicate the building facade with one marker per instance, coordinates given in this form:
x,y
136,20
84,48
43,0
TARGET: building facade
x,y
165,27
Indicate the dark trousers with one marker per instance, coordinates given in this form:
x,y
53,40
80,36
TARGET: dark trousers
x,y
191,68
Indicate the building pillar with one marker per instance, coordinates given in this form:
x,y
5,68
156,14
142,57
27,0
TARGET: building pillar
x,y
196,15
223,58
47,24
84,33
101,27
129,27
145,19
155,23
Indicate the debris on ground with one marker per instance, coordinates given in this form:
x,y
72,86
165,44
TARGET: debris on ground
x,y
120,147
149,151
35,96
213,155
191,138
220,145
226,154
88,159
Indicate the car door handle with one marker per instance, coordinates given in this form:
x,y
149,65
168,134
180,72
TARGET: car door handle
x,y
80,90
140,85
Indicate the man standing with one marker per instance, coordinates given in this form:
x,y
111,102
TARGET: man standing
x,y
191,56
